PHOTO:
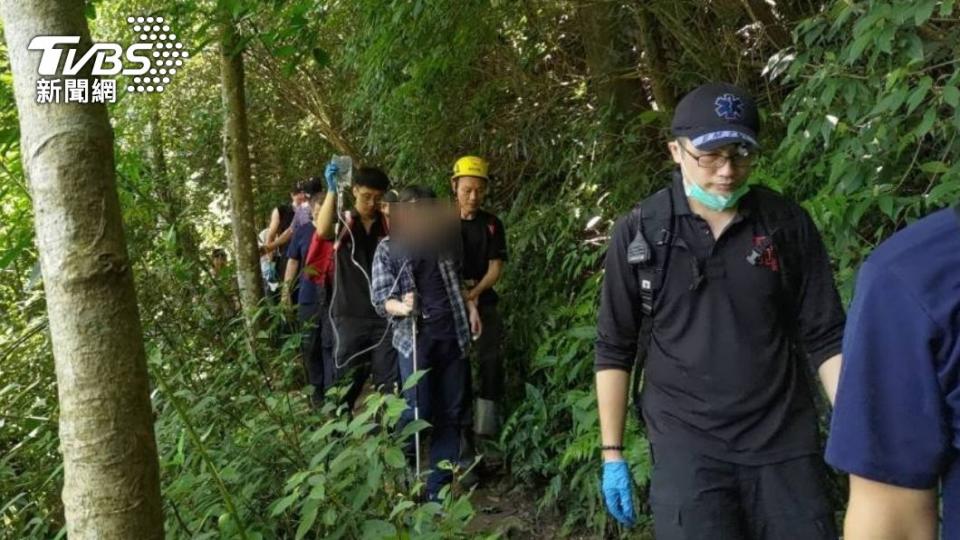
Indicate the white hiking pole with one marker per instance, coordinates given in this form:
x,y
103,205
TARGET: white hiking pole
x,y
416,389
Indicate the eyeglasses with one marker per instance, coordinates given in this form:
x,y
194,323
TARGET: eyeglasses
x,y
717,161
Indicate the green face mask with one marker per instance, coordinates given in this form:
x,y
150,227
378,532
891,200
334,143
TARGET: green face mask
x,y
717,203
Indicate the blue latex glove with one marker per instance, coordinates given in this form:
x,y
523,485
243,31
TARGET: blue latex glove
x,y
617,487
330,175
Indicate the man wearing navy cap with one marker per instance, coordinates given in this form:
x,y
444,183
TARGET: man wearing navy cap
x,y
896,426
725,290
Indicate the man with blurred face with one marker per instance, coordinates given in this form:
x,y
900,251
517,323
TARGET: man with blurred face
x,y
484,254
717,283
361,344
417,283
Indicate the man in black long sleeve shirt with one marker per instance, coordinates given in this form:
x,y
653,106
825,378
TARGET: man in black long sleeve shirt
x,y
728,409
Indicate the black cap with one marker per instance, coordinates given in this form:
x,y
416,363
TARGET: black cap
x,y
313,185
390,197
715,115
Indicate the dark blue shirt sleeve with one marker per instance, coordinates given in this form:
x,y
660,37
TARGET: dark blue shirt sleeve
x,y
889,424
294,248
618,321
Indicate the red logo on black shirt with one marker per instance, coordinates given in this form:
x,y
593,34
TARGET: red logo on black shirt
x,y
769,258
492,228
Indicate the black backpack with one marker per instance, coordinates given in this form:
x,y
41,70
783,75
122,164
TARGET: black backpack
x,y
654,222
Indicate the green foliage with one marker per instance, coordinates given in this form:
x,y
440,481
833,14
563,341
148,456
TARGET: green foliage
x,y
862,114
874,118
240,458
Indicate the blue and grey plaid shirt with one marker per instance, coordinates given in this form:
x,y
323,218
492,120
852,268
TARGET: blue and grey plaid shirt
x,y
393,277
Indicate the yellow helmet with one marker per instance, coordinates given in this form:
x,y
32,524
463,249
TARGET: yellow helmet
x,y
470,166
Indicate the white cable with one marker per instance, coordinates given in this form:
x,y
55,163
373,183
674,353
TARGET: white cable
x,y
416,404
333,325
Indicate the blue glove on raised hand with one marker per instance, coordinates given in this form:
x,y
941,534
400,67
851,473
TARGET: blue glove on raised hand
x,y
617,487
330,175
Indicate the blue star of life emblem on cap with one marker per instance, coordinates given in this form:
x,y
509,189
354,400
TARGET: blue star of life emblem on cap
x,y
729,107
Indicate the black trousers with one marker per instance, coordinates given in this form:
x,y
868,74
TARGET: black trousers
x,y
440,396
365,348
316,346
695,497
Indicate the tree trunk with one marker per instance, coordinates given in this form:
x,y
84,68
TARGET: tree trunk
x,y
237,158
611,62
166,193
111,475
651,42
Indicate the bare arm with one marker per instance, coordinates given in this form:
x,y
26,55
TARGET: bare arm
x,y
274,227
273,239
612,387
494,271
290,274
283,238
884,512
830,376
326,216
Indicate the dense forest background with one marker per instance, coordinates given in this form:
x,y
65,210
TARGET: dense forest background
x,y
570,102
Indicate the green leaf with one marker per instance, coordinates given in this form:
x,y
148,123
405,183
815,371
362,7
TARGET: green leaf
x,y
401,507
286,50
886,205
413,379
859,44
892,101
944,191
307,517
926,123
914,48
583,332
11,254
318,492
284,503
413,427
924,11
919,93
395,407
935,167
394,457
946,7
951,96
376,529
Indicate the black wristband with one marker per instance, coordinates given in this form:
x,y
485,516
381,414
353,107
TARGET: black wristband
x,y
616,447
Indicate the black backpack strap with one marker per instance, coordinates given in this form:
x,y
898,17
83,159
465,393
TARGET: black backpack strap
x,y
654,223
649,249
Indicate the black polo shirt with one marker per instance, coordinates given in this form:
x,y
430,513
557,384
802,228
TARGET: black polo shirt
x,y
355,251
720,376
484,240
